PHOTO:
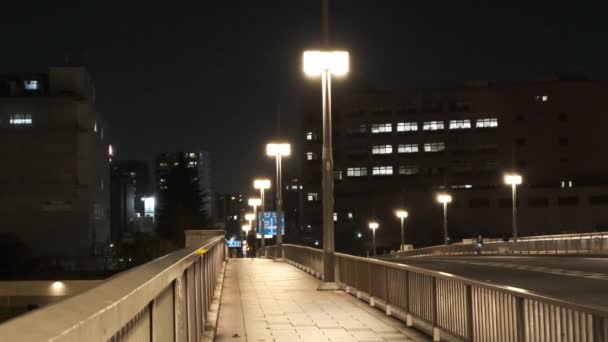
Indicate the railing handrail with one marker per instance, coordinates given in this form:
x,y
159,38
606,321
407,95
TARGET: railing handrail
x,y
97,314
468,281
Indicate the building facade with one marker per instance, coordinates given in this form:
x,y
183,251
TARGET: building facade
x,y
54,174
399,149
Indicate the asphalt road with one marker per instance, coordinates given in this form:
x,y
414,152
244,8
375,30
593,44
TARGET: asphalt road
x,y
578,280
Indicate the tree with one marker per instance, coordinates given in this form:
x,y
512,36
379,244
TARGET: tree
x,y
181,203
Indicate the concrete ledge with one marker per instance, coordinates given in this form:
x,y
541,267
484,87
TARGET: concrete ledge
x,y
200,237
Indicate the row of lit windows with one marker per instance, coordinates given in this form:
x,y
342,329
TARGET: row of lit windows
x,y
430,125
408,148
20,119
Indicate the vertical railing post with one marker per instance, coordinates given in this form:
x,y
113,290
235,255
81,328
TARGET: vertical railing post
x,y
434,309
469,312
520,319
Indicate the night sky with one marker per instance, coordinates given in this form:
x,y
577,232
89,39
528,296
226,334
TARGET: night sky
x,y
209,75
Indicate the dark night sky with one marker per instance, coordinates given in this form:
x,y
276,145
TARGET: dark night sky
x,y
210,74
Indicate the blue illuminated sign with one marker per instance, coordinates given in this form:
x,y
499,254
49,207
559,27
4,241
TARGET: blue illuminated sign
x,y
233,243
270,223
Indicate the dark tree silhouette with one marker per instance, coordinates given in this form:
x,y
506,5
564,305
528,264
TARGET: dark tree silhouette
x,y
181,203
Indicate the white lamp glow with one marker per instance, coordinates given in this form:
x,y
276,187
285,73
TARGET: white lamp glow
x,y
261,184
513,179
281,149
373,225
401,213
316,62
255,202
444,198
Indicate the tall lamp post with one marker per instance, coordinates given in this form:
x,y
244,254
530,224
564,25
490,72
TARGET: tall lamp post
x,y
262,184
445,199
402,215
246,228
254,202
278,150
373,226
326,64
514,180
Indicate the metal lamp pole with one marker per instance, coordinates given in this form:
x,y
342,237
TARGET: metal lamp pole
x,y
402,214
373,226
514,180
278,150
445,199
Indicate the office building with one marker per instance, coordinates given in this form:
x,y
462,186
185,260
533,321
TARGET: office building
x,y
397,149
54,174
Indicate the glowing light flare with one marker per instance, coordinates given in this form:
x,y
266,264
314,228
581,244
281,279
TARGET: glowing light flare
x,y
249,217
261,184
373,225
513,179
275,149
401,213
255,202
57,287
444,198
316,62
246,228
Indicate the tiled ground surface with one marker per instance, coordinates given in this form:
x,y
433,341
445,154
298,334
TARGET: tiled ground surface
x,y
273,301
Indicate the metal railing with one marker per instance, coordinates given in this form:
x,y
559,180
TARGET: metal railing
x,y
167,299
570,244
466,309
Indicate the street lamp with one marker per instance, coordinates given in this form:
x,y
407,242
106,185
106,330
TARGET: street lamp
x,y
278,150
324,64
255,203
514,180
445,199
402,215
373,226
262,184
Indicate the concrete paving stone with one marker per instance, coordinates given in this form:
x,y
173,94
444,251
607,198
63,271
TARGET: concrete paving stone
x,y
265,301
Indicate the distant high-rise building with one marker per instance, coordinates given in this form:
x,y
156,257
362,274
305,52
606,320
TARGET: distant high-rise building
x,y
397,149
54,156
199,162
122,202
141,173
231,209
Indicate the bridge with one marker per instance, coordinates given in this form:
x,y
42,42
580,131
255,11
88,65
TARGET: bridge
x,y
441,294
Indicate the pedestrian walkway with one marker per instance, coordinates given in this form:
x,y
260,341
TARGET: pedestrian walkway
x,y
268,301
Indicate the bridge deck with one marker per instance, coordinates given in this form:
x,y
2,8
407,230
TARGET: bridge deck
x,y
265,301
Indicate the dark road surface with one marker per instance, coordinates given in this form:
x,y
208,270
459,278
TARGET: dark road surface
x,y
579,280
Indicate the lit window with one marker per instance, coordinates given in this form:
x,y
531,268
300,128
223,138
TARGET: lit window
x,y
20,119
407,126
312,197
335,217
192,155
462,186
309,136
191,164
432,125
408,170
349,215
486,123
311,156
460,124
382,171
95,127
31,85
338,175
407,148
382,149
163,164
382,128
434,147
356,172
542,98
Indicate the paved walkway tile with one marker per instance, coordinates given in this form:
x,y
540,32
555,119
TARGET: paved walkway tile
x,y
267,301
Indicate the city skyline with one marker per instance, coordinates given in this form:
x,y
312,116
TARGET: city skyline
x,y
183,78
